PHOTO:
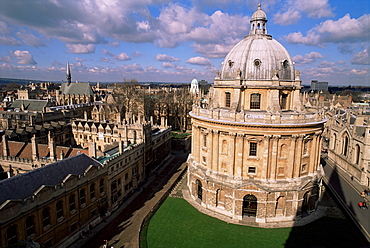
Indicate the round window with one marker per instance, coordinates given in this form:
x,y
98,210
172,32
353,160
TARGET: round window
x,y
257,62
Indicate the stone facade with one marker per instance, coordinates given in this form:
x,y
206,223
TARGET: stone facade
x,y
349,143
255,148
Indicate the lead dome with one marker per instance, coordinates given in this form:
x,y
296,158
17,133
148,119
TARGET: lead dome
x,y
258,56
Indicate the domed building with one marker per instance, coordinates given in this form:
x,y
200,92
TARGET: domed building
x,y
255,149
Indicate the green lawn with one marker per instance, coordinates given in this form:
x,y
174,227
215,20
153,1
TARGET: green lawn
x,y
178,224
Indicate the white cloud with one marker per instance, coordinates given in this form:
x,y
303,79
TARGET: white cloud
x,y
289,17
362,58
344,30
165,57
122,57
24,57
167,65
325,63
199,61
30,39
104,59
7,59
307,58
293,10
80,48
136,54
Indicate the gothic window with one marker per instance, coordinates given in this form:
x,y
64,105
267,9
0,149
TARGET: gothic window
x,y
59,208
357,154
227,99
82,196
199,190
334,141
11,234
345,145
252,149
30,226
255,101
101,186
72,205
45,217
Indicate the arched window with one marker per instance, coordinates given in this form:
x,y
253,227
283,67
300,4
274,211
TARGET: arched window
x,y
283,151
224,146
357,154
82,196
114,196
92,191
227,99
334,141
11,234
249,206
199,190
258,26
255,101
45,217
30,226
345,145
59,209
280,205
101,186
72,205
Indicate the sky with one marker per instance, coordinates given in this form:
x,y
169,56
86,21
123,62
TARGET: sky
x,y
175,41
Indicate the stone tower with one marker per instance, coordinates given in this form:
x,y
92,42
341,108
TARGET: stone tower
x,y
255,149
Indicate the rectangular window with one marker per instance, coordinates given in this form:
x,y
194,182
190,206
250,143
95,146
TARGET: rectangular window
x,y
227,99
204,140
283,102
252,149
255,101
204,159
252,170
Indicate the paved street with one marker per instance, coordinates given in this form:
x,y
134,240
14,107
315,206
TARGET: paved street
x,y
349,193
122,228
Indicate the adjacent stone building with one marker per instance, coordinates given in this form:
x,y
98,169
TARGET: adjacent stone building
x,y
255,148
349,143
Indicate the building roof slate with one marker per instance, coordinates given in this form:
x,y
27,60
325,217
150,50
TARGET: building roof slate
x,y
31,105
24,185
76,89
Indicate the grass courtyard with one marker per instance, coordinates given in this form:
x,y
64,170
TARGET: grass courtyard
x,y
178,224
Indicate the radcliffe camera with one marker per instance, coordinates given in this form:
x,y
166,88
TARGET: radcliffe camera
x,y
127,124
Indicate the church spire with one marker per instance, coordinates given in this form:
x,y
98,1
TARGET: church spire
x,y
68,76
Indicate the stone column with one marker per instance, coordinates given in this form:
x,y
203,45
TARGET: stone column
x,y
51,146
35,153
298,156
216,147
5,146
266,156
239,156
274,151
291,156
230,166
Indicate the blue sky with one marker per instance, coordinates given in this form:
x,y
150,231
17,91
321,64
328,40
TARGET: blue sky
x,y
173,41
